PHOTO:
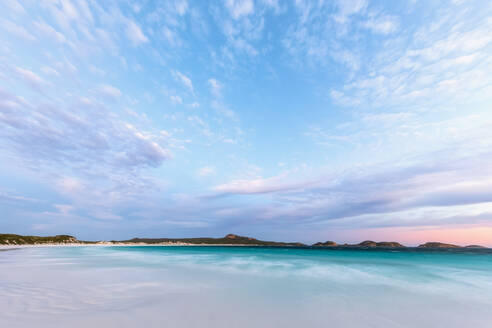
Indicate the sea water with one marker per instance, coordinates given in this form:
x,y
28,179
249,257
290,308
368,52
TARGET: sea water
x,y
154,286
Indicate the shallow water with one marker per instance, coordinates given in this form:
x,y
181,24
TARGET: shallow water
x,y
243,287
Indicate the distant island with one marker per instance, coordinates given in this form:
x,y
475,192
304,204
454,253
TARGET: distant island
x,y
228,240
364,244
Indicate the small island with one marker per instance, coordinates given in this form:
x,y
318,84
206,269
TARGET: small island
x,y
438,245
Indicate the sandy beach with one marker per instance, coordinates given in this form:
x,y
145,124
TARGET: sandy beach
x,y
62,285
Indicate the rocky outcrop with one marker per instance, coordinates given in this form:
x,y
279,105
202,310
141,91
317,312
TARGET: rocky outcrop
x,y
382,244
389,244
364,244
367,243
233,236
327,243
434,244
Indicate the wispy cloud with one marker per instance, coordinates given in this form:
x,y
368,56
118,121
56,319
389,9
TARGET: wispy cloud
x,y
31,78
238,8
371,190
16,30
50,71
135,34
346,8
382,24
49,31
109,91
215,87
176,99
206,170
431,71
185,80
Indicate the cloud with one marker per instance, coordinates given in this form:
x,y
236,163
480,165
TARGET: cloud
x,y
70,185
31,78
49,71
215,87
110,91
315,40
444,66
81,149
186,81
244,46
17,30
350,59
372,190
105,215
146,150
176,99
64,209
9,196
171,36
274,4
181,7
239,8
346,8
382,24
242,29
135,34
223,110
81,136
15,6
206,170
260,186
49,31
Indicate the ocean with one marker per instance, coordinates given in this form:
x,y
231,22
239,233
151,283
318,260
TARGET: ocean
x,y
195,286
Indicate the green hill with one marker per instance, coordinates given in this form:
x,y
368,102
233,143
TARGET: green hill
x,y
11,239
230,239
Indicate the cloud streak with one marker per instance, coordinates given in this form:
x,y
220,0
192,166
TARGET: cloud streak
x,y
372,191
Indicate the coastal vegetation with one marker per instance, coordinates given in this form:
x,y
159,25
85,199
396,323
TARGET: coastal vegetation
x,y
12,239
229,239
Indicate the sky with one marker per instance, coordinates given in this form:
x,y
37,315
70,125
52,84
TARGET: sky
x,y
282,120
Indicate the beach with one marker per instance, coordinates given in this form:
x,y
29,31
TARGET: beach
x,y
242,287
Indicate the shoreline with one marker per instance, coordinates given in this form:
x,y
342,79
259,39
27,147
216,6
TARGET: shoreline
x,y
339,247
230,240
108,244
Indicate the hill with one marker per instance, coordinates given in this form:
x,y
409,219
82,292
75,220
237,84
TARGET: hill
x,y
437,245
327,243
364,244
12,239
230,239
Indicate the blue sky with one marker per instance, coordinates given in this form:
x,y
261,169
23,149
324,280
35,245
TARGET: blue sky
x,y
287,120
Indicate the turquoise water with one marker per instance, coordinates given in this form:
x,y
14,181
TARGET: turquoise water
x,y
244,287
